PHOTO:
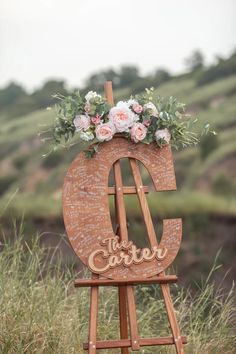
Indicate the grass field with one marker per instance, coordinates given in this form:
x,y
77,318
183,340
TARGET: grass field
x,y
42,313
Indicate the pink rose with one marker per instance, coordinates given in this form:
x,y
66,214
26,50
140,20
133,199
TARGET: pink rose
x,y
137,107
138,132
96,120
105,131
146,122
122,117
81,122
163,134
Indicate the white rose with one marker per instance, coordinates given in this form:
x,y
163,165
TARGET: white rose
x,y
138,132
105,132
91,95
81,122
163,134
122,117
152,108
86,136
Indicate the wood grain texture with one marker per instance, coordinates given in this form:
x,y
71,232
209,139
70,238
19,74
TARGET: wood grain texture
x,y
108,92
86,209
166,279
127,190
122,292
93,318
172,319
123,234
112,344
152,238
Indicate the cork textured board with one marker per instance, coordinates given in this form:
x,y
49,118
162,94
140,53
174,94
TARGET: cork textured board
x,y
87,216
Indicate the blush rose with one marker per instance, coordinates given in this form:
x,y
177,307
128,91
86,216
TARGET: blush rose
x,y
137,108
105,131
138,132
122,117
96,120
81,122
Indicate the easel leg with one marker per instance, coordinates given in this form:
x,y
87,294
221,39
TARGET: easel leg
x,y
132,318
123,233
172,319
93,320
123,316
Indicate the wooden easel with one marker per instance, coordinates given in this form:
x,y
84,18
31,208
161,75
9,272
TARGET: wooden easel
x,y
127,307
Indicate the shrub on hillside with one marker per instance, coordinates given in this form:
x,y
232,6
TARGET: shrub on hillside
x,y
159,77
23,105
223,69
10,93
208,144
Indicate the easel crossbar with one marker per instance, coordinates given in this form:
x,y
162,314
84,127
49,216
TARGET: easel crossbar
x,y
119,282
127,190
126,343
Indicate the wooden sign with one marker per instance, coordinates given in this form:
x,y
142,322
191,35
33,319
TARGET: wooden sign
x,y
87,216
112,258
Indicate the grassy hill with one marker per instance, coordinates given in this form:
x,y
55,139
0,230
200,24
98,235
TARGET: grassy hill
x,y
31,184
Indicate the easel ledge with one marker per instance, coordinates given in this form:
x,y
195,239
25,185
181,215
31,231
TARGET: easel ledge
x,y
126,343
79,283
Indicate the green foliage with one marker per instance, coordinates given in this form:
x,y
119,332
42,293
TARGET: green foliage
x,y
91,150
41,311
66,112
68,108
179,124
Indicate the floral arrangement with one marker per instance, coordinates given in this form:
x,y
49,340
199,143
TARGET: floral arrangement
x,y
142,119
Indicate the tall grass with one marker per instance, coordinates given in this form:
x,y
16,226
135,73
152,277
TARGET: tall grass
x,y
42,313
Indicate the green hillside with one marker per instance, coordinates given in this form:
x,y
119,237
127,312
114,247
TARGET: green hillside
x,y
23,166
